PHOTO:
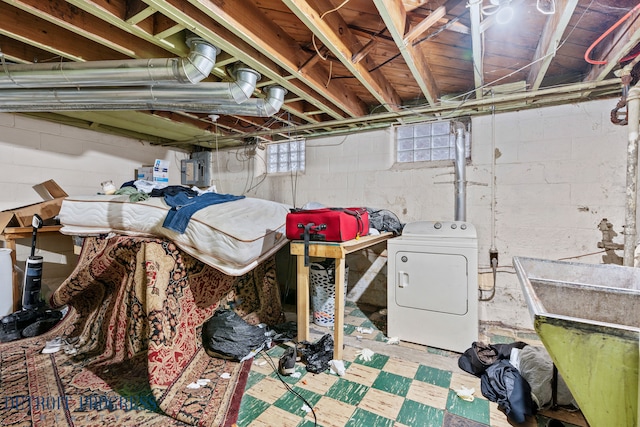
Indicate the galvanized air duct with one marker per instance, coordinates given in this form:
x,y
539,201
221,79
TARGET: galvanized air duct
x,y
16,100
254,107
132,72
205,97
460,162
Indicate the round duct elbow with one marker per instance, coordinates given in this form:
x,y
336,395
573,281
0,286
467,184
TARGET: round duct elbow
x,y
198,65
245,83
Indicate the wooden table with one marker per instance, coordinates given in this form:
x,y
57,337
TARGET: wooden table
x,y
9,236
337,251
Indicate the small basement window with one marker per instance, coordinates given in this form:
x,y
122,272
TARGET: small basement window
x,y
428,142
286,156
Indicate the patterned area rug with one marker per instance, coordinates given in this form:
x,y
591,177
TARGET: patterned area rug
x,y
136,310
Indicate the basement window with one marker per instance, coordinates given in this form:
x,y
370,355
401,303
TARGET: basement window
x,y
286,156
428,142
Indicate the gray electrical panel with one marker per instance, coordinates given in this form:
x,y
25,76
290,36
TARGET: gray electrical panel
x,y
197,170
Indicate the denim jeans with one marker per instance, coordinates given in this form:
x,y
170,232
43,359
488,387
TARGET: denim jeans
x,y
183,207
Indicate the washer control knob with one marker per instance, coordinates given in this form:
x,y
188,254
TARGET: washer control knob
x,y
463,226
437,226
454,226
404,258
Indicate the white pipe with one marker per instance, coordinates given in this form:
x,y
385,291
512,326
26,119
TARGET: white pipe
x,y
633,113
460,162
133,72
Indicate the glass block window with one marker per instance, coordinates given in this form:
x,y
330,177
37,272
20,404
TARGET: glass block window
x,y
424,142
286,156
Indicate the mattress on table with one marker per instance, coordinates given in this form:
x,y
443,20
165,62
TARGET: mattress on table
x,y
233,237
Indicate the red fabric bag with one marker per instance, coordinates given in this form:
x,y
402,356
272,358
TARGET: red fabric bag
x,y
327,224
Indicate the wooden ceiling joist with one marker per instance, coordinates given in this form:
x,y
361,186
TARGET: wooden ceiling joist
x,y
395,17
549,41
241,21
337,37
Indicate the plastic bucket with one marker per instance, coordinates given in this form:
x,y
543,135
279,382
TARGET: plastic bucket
x,y
6,282
322,279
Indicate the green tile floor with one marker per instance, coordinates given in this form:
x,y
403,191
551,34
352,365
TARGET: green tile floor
x,y
402,385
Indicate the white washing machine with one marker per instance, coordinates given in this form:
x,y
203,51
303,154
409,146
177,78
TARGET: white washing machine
x,y
432,284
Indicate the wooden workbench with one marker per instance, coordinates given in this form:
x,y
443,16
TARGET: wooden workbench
x,y
337,251
9,236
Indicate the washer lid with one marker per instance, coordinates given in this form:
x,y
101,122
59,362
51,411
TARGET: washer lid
x,y
439,228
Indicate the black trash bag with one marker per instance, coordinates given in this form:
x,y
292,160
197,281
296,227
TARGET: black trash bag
x,y
226,335
284,332
317,355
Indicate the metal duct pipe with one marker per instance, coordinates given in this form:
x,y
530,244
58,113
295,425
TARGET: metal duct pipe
x,y
633,113
20,100
254,107
132,72
460,162
162,100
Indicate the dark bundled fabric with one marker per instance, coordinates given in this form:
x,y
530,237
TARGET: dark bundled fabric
x,y
385,220
503,384
476,359
172,190
318,354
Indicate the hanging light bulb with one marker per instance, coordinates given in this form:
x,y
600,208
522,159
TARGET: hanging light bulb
x,y
505,13
501,8
547,7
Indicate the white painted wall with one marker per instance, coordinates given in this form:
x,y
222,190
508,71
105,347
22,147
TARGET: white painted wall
x,y
34,151
558,172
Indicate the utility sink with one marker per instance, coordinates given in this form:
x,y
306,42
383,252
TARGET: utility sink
x,y
588,318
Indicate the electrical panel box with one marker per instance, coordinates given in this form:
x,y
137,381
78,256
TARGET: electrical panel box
x,y
197,170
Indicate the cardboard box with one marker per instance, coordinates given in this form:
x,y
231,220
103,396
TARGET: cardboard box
x,y
145,173
52,195
159,172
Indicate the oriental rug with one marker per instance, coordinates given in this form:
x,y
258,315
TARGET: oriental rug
x,y
136,309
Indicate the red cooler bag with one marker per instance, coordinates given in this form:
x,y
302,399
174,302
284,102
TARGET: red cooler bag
x,y
327,224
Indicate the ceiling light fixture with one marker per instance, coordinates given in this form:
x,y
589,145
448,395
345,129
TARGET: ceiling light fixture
x,y
501,8
547,7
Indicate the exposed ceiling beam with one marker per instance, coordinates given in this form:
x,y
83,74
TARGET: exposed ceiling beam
x,y
241,19
334,33
88,26
109,13
395,18
424,25
35,31
506,102
553,30
476,46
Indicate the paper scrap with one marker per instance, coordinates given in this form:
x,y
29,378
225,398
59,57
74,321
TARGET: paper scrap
x,y
466,393
365,354
225,376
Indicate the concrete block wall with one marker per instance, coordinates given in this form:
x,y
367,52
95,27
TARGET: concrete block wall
x,y
33,151
558,172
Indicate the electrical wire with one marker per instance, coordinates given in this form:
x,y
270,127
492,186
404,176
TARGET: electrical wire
x,y
289,388
605,34
313,36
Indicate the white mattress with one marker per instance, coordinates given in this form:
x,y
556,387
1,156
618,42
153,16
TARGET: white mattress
x,y
233,237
